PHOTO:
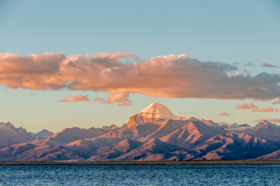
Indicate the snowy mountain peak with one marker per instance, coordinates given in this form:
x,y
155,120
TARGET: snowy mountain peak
x,y
157,110
264,122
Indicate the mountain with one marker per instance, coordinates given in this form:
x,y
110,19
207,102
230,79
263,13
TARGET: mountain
x,y
234,127
69,135
31,152
265,129
273,155
42,134
238,146
10,135
110,128
192,134
153,113
88,147
153,134
129,150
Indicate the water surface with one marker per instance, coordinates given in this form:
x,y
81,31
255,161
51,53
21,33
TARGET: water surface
x,y
140,175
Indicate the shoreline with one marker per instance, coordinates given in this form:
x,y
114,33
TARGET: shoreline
x,y
208,162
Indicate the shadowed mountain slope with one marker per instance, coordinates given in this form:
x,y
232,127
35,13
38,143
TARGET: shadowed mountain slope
x,y
42,134
192,134
241,146
10,135
70,134
265,129
129,150
31,152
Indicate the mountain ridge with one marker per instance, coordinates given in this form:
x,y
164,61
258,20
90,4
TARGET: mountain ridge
x,y
154,134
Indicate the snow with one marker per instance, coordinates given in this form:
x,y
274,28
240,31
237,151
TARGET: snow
x,y
157,110
266,124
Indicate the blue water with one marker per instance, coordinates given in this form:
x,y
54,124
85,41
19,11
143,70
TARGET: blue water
x,y
140,175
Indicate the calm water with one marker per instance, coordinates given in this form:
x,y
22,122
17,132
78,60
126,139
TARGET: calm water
x,y
140,175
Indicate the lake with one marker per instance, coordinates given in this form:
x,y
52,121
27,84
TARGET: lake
x,y
140,175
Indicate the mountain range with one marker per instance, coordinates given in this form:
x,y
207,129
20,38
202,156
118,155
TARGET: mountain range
x,y
154,134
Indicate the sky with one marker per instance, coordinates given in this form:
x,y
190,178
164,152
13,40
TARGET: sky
x,y
94,63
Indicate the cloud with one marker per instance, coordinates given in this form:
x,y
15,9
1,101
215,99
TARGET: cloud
x,y
277,110
182,113
268,65
224,114
249,61
99,99
276,102
121,98
269,119
236,63
172,76
249,65
75,98
16,65
263,100
269,109
30,95
246,106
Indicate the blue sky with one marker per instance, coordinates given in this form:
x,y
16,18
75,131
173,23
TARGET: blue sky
x,y
218,31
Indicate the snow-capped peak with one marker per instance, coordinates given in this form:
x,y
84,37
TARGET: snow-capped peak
x,y
265,123
232,125
157,110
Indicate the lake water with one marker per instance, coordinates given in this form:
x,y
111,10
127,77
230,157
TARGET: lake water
x,y
140,175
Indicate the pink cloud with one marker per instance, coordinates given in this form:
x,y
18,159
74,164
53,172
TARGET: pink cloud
x,y
246,106
269,109
269,119
263,100
14,64
172,76
277,110
268,65
98,99
121,98
276,102
75,98
224,114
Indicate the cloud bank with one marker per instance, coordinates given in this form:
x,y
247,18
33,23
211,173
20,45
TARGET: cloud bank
x,y
246,106
75,98
224,114
119,74
121,98
269,109
276,102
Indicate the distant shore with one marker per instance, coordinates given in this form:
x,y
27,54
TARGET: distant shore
x,y
210,162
